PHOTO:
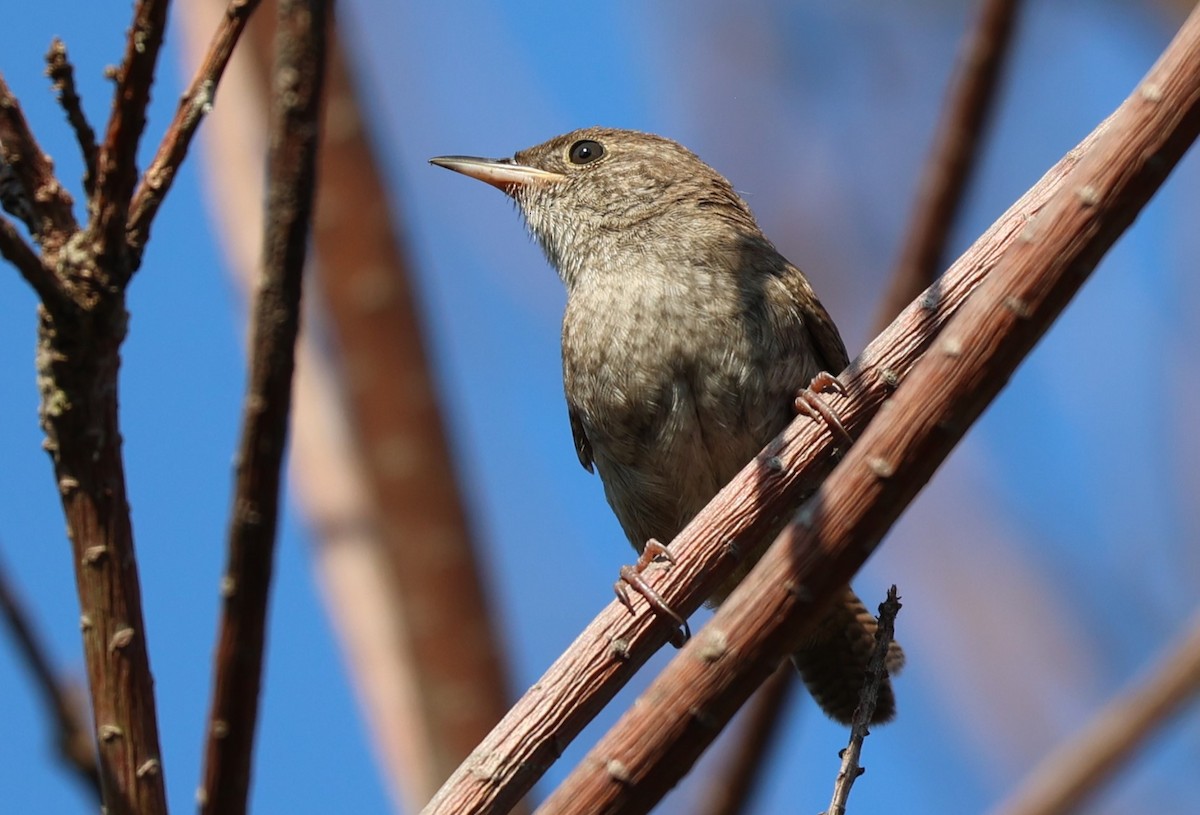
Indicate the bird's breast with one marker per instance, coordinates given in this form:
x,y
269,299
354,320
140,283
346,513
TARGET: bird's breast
x,y
673,395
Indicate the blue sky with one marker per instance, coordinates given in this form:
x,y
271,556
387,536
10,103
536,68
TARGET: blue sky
x,y
1061,535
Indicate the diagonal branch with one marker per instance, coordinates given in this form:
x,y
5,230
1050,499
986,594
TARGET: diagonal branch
x,y
1065,779
116,166
196,102
70,714
38,200
62,76
650,748
291,168
954,155
1130,154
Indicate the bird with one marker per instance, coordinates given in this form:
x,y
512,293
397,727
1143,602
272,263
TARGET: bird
x,y
686,340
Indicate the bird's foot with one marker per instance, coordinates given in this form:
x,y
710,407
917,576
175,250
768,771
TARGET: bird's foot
x,y
631,577
810,403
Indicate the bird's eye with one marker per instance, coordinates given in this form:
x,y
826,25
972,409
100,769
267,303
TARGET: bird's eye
x,y
585,152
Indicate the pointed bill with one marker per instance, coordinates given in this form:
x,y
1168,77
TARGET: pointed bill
x,y
501,173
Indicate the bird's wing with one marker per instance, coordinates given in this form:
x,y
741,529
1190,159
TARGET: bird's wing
x,y
825,337
583,447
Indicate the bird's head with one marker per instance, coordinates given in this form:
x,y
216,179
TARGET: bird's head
x,y
599,193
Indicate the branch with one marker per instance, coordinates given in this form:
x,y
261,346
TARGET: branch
x,y
586,677
62,76
38,199
1066,779
116,167
193,106
651,747
74,737
877,672
391,399
298,77
954,155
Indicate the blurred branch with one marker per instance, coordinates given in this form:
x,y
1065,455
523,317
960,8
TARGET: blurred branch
x,y
291,169
116,166
196,102
1077,210
395,418
74,736
877,672
954,155
729,793
1066,779
406,506
62,77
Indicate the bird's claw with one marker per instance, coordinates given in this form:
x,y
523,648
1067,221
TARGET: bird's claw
x,y
631,577
810,403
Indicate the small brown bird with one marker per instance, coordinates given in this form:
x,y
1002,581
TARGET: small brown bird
x,y
685,341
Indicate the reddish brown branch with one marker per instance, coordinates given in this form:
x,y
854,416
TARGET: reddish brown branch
x,y
73,736
42,203
954,155
116,165
291,169
62,76
395,415
196,102
877,672
649,749
1130,155
78,359
1068,777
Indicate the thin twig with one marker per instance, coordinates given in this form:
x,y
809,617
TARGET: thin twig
x,y
953,157
40,200
116,166
648,750
73,736
1142,141
744,764
877,673
296,105
193,106
62,76
1066,779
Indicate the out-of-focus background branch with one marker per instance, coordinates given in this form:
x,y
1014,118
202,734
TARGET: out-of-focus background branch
x,y
822,115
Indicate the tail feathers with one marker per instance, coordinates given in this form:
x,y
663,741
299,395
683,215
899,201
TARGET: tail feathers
x,y
833,661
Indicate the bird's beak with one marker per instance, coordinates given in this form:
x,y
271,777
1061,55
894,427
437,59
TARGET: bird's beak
x,y
501,173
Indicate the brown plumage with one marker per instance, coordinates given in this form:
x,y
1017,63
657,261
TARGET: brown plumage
x,y
685,340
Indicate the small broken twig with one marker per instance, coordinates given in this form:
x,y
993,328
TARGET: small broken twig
x,y
877,672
